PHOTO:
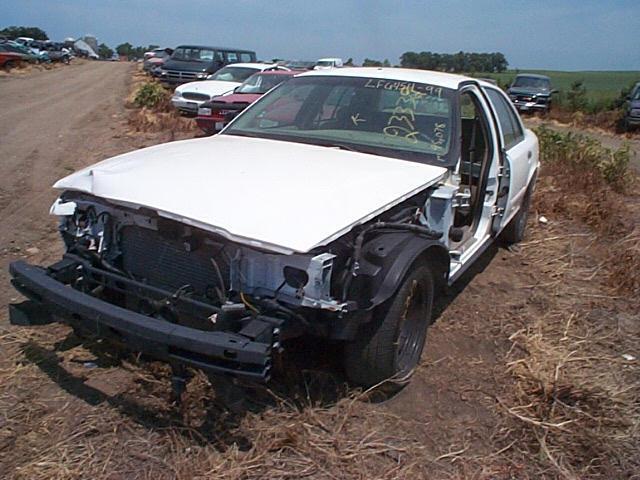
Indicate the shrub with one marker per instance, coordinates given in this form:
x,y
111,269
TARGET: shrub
x,y
150,95
585,155
577,96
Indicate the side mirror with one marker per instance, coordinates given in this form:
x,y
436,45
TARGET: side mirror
x,y
555,90
627,98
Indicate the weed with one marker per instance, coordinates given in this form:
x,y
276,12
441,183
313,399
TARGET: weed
x,y
150,95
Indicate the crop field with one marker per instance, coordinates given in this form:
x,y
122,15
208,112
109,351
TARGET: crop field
x,y
601,85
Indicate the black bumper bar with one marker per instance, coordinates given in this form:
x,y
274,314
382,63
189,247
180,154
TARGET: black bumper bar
x,y
211,351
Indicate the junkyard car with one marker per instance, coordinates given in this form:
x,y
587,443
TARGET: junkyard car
x,y
155,59
189,96
214,115
338,205
531,92
632,110
190,63
9,59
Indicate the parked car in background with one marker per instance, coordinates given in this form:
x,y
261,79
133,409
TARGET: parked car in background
x,y
26,53
531,92
192,62
631,118
328,63
9,59
319,211
156,59
214,115
58,52
189,96
300,65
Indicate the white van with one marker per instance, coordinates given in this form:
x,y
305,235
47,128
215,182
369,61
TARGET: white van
x,y
328,63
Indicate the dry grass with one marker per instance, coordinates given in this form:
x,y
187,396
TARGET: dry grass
x,y
161,118
576,395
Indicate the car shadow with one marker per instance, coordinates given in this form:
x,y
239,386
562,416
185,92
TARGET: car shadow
x,y
308,374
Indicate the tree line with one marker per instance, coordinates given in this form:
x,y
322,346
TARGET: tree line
x,y
455,62
14,32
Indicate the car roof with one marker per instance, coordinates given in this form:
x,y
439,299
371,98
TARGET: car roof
x,y
533,75
447,80
209,47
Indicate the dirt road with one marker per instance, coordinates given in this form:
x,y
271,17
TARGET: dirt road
x,y
78,409
53,122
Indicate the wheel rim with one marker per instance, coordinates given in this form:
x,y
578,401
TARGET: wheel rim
x,y
413,328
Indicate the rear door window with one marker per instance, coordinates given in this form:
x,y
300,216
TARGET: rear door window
x,y
512,133
232,57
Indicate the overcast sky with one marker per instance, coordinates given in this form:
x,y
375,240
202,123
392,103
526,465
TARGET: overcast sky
x,y
555,34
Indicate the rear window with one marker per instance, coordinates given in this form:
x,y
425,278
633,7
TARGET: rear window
x,y
233,74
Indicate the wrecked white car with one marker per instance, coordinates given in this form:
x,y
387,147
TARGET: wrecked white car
x,y
336,206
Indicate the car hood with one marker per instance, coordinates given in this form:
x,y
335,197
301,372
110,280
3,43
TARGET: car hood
x,y
209,87
282,196
528,91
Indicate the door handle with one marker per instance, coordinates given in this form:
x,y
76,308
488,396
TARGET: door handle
x,y
529,154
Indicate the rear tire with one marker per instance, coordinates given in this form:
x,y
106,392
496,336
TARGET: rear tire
x,y
516,230
389,347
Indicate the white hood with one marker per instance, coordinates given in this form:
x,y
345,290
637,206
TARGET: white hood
x,y
277,195
212,88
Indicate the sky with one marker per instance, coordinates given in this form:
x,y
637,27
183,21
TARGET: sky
x,y
547,34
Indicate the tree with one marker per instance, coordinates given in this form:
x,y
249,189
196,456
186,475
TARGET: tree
x,y
371,63
386,63
104,51
457,62
31,32
125,49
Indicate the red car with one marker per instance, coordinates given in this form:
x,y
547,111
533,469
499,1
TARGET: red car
x,y
9,59
212,116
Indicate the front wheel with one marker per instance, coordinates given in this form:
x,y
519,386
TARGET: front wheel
x,y
390,346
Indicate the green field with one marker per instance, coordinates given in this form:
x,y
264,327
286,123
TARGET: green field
x,y
601,86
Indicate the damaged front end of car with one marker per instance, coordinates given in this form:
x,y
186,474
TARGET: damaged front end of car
x,y
194,298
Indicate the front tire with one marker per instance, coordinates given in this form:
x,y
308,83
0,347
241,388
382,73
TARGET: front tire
x,y
389,347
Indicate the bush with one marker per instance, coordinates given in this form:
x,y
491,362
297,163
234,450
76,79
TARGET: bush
x,y
577,97
585,156
150,95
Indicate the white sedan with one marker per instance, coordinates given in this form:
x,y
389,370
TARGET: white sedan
x,y
189,96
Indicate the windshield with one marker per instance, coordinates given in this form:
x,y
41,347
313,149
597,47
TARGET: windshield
x,y
637,95
194,54
261,83
532,82
325,63
233,74
411,121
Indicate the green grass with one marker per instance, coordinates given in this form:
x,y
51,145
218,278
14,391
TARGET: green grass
x,y
601,86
